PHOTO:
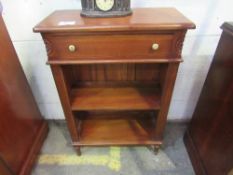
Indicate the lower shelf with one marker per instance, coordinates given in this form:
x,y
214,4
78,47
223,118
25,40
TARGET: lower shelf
x,y
113,131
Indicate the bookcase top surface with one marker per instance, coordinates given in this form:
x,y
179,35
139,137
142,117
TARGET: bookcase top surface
x,y
142,19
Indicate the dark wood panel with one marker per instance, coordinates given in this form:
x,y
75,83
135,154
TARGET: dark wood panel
x,y
210,133
112,73
147,72
4,169
21,124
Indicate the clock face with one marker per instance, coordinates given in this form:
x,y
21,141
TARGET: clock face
x,y
105,5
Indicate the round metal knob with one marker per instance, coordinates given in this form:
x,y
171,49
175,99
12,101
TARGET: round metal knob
x,y
155,46
72,48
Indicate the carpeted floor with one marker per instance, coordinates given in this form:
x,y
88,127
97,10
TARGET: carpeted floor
x,y
59,158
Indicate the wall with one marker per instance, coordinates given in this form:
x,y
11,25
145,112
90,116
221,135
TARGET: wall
x,y
22,15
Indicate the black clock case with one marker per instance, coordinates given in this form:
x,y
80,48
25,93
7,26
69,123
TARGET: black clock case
x,y
120,8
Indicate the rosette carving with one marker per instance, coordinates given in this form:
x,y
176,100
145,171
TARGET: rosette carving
x,y
48,47
179,44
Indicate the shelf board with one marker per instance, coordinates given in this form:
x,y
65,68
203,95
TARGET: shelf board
x,y
132,130
119,98
113,61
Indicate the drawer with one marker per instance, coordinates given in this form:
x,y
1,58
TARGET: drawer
x,y
109,47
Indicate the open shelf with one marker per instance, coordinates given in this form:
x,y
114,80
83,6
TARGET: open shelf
x,y
119,128
118,98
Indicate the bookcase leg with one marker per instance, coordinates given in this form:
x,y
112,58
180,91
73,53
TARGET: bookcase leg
x,y
78,150
156,149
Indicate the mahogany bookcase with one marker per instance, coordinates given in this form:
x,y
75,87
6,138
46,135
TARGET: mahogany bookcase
x,y
115,76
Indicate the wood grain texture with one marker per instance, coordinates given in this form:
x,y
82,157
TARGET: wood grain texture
x,y
210,132
167,89
4,169
177,45
64,94
117,128
113,61
114,68
108,47
142,19
115,99
20,121
34,150
112,74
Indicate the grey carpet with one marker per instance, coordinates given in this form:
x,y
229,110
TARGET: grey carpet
x,y
59,158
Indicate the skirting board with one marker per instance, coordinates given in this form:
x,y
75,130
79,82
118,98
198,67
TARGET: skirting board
x,y
194,155
35,149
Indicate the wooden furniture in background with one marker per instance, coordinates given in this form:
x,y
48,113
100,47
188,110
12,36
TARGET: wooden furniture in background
x,y
209,138
115,76
22,129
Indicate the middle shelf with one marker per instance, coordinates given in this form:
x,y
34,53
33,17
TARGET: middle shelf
x,y
115,98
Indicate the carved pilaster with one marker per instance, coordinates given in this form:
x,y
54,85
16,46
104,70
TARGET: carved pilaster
x,y
178,44
48,47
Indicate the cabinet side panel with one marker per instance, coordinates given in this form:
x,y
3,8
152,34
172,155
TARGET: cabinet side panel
x,y
211,126
20,116
63,90
167,90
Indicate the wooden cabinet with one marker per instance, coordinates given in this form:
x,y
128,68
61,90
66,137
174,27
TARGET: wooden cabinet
x,y
209,138
115,76
22,129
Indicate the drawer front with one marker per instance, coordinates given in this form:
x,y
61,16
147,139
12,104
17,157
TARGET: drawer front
x,y
109,47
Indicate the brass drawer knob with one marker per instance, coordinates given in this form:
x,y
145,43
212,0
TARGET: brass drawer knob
x,y
155,46
72,48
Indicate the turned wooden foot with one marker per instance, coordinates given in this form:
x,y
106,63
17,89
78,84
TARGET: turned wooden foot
x,y
78,151
156,149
